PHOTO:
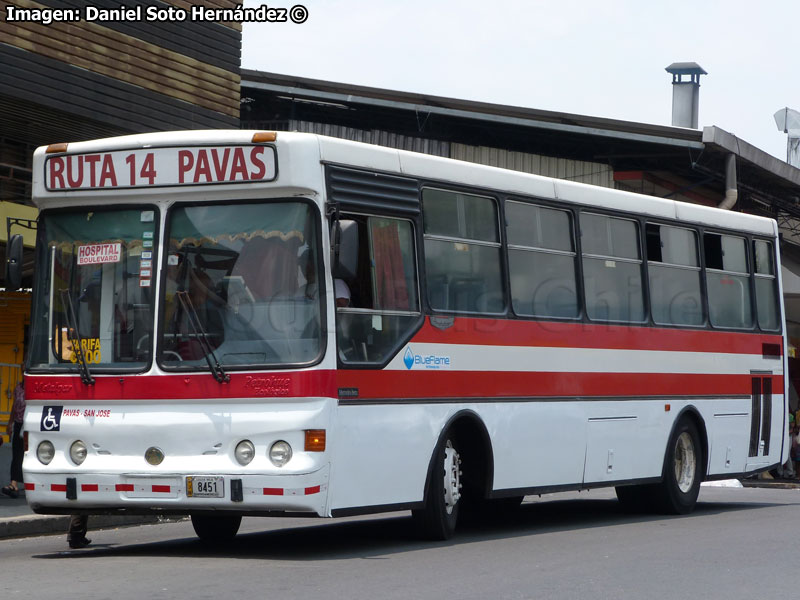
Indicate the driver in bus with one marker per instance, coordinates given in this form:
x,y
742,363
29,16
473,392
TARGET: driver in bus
x,y
341,292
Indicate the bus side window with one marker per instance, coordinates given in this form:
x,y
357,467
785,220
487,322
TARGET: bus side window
x,y
612,268
728,281
766,285
377,309
674,268
541,260
462,252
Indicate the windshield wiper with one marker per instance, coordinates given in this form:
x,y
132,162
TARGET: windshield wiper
x,y
194,322
75,337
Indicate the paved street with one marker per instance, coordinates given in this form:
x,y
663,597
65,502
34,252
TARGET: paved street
x,y
740,543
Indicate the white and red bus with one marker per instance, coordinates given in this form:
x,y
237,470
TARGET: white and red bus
x,y
232,323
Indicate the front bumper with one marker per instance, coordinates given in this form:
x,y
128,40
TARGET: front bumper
x,y
134,493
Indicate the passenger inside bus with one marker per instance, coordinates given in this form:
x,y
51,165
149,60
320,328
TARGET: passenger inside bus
x,y
375,308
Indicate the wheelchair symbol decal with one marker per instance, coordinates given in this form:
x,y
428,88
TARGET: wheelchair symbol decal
x,y
51,418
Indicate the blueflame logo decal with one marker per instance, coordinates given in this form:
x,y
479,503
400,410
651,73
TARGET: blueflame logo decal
x,y
408,358
425,361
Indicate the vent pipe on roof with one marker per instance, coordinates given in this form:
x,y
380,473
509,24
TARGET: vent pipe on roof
x,y
685,93
731,189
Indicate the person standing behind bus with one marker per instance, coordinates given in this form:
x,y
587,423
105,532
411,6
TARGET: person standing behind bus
x,y
14,430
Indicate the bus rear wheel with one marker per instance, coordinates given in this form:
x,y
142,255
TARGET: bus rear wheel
x,y
216,528
437,520
677,493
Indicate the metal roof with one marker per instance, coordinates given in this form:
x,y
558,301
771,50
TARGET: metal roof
x,y
544,119
694,154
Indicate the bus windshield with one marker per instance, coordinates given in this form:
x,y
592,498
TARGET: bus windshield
x,y
240,286
93,278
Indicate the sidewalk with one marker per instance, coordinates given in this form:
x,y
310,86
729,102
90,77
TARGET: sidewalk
x,y
18,520
771,482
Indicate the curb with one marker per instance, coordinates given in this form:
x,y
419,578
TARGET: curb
x,y
32,525
771,483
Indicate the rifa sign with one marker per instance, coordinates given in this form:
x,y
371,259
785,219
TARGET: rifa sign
x,y
194,165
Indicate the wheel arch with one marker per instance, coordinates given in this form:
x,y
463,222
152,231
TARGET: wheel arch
x,y
691,413
475,446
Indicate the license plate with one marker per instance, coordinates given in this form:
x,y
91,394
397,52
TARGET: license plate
x,y
205,487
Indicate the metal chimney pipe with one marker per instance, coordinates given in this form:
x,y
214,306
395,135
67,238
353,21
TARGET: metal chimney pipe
x,y
685,93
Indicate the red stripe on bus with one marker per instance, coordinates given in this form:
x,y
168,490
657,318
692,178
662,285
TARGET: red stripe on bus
x,y
493,384
312,490
269,384
415,383
162,489
30,486
89,487
548,334
58,487
124,487
273,491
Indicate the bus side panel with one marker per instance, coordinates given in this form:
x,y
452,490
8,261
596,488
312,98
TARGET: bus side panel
x,y
626,440
536,443
381,453
728,423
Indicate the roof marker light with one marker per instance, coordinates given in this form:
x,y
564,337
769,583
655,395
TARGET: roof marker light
x,y
264,136
54,148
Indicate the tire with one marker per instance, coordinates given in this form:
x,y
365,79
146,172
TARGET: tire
x,y
222,528
437,520
677,493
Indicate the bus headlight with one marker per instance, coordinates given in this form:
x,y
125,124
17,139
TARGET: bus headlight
x,y
77,452
244,453
280,453
45,452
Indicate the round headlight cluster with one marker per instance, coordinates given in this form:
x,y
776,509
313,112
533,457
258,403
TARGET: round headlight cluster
x,y
280,453
45,452
77,452
244,453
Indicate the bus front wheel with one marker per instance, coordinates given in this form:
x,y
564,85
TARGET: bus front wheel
x,y
216,528
437,520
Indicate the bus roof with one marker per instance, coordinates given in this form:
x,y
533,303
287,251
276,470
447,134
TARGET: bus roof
x,y
434,168
412,164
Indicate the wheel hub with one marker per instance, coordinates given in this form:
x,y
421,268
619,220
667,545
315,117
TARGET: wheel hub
x,y
685,462
452,477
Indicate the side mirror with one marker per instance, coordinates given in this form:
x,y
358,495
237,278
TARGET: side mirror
x,y
14,263
345,250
